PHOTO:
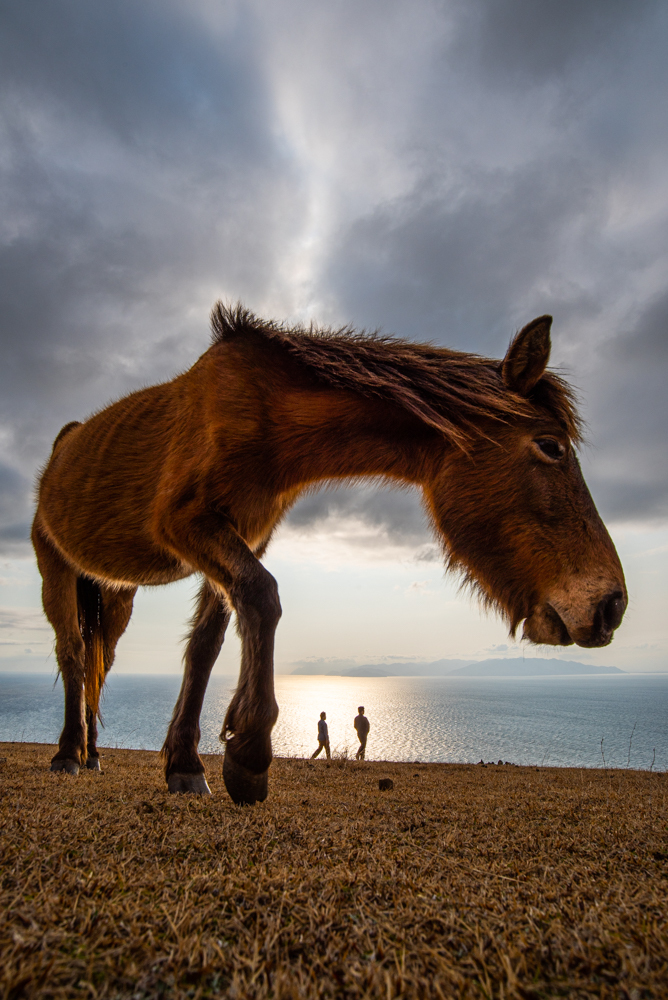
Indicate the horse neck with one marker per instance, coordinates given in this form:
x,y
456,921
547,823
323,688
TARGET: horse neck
x,y
335,434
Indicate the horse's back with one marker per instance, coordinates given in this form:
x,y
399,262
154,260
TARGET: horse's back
x,y
117,484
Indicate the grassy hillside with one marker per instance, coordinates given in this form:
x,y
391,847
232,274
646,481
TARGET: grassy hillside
x,y
462,880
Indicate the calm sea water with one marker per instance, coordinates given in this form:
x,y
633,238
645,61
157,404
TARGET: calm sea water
x,y
558,721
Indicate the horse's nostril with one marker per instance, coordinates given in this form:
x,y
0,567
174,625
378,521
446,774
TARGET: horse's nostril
x,y
612,609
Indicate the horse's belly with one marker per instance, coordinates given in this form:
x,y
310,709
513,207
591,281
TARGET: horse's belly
x,y
136,573
114,553
144,578
131,565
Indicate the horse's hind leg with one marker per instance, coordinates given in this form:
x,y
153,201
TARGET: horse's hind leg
x,y
116,609
184,770
92,754
59,596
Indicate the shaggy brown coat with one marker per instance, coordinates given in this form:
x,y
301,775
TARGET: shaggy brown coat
x,y
193,476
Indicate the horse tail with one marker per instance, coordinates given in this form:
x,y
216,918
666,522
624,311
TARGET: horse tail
x,y
89,601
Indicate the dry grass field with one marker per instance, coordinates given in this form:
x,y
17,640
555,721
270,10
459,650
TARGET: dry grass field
x,y
461,881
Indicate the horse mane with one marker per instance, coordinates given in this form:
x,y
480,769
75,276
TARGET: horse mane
x,y
451,391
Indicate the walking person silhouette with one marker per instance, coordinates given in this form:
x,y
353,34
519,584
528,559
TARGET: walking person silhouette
x,y
323,737
362,726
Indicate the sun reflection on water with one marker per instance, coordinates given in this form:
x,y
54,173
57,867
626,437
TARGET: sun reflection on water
x,y
557,721
551,721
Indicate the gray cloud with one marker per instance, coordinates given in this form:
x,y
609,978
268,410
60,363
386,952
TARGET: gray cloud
x,y
524,43
452,266
630,410
550,199
648,341
22,620
140,180
14,505
445,172
397,513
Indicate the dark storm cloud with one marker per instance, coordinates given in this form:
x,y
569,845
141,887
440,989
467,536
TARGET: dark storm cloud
x,y
452,266
397,514
455,271
630,410
568,216
489,231
648,342
15,493
140,180
521,41
148,167
147,73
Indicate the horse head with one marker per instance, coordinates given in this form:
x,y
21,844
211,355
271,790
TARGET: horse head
x,y
516,517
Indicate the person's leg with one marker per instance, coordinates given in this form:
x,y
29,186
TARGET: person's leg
x,y
362,749
316,752
327,751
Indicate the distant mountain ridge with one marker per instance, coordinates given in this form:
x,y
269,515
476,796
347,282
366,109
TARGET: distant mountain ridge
x,y
510,667
535,667
437,668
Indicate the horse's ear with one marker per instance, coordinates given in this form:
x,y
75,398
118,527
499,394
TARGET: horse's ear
x,y
527,356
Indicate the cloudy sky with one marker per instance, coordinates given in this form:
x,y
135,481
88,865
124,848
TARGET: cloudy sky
x,y
443,169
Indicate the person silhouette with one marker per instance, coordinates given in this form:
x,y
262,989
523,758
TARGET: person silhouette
x,y
362,726
323,737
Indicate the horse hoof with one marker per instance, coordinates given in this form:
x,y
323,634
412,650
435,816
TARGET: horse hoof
x,y
68,766
244,787
195,783
93,764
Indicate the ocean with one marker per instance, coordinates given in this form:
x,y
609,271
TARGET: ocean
x,y
619,720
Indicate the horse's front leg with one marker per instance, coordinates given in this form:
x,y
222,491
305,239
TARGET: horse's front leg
x,y
210,542
253,711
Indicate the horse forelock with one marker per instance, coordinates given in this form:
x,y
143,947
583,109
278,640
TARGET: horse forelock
x,y
451,391
555,396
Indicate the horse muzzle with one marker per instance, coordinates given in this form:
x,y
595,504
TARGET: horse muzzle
x,y
554,624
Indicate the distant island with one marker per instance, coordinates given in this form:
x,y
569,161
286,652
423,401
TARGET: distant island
x,y
518,667
530,668
341,668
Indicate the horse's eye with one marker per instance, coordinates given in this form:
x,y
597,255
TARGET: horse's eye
x,y
552,449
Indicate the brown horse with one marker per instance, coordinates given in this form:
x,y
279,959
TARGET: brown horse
x,y
194,475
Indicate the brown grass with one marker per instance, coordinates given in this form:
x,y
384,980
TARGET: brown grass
x,y
462,881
